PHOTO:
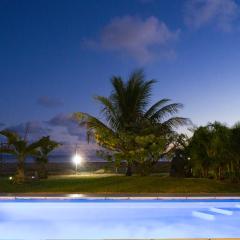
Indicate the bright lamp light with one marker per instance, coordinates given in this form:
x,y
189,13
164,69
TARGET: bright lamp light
x,y
77,159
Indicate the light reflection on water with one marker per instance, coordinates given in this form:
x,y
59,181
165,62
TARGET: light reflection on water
x,y
115,219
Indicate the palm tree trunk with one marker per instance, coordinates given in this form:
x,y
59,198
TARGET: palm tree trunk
x,y
45,170
129,170
20,175
42,171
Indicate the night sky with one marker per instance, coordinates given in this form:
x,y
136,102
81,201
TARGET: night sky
x,y
56,55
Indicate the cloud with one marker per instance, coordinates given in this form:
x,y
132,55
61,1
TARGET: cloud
x,y
73,134
62,128
49,102
71,125
143,40
221,13
88,151
33,129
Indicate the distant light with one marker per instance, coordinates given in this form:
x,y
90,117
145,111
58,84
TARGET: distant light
x,y
33,177
77,159
10,178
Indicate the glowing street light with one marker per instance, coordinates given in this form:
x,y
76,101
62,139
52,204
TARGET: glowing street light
x,y
77,159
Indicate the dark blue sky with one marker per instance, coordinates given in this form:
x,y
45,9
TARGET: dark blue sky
x,y
56,55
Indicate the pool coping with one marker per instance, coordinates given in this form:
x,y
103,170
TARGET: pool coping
x,y
74,196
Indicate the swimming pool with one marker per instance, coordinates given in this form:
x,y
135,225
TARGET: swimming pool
x,y
118,219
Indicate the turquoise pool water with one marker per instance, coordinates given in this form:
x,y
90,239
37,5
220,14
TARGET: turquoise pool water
x,y
118,219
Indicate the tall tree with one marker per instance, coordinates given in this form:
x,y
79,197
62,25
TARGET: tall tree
x,y
21,149
212,149
42,155
129,124
234,165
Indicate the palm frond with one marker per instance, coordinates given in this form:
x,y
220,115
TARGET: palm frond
x,y
44,143
155,107
131,98
145,93
109,111
10,135
166,111
139,90
175,122
92,123
118,89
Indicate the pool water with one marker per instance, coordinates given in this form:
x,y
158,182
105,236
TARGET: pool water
x,y
119,219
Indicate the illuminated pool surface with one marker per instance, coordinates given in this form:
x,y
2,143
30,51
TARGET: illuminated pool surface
x,y
120,219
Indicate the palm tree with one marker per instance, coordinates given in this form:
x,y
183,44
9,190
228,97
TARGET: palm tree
x,y
127,110
211,150
41,156
20,149
199,148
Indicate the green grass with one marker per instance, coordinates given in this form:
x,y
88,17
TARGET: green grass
x,y
122,184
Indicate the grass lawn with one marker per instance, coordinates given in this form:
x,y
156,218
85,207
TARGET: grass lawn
x,y
121,184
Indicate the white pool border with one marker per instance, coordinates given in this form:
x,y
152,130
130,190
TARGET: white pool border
x,y
109,197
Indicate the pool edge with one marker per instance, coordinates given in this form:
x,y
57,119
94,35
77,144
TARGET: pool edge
x,y
40,196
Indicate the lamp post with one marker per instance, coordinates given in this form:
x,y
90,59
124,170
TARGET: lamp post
x,y
77,159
